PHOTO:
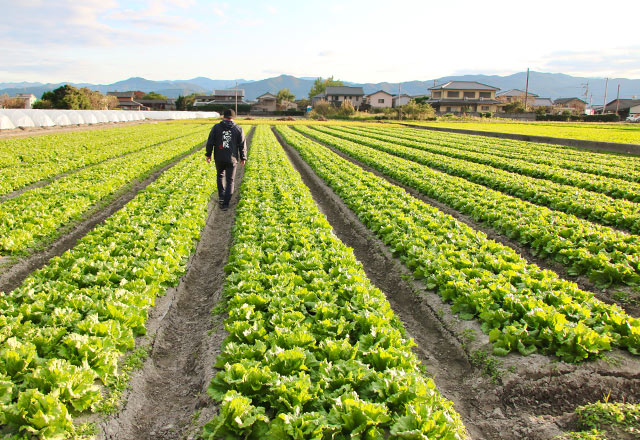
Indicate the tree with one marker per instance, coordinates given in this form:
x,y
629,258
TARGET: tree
x,y
514,107
285,95
320,85
415,110
8,102
98,101
184,102
303,103
346,108
67,97
154,95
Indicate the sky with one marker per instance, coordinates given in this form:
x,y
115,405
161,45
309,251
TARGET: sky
x,y
104,41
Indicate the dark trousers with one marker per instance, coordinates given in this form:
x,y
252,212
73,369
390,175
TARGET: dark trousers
x,y
226,175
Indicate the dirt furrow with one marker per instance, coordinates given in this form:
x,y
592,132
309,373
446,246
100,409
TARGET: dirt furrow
x,y
167,397
13,272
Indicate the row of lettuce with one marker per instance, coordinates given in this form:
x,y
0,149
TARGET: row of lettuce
x,y
314,349
605,164
40,213
620,213
520,306
622,185
64,329
28,160
606,255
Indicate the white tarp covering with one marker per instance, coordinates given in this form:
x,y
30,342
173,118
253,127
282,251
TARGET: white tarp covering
x,y
19,118
5,123
89,117
74,116
40,119
57,116
13,118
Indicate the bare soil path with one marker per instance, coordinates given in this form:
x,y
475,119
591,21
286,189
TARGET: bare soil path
x,y
167,398
516,397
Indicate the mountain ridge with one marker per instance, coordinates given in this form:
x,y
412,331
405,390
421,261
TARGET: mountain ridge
x,y
545,85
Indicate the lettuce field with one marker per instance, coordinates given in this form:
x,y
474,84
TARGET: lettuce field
x,y
369,281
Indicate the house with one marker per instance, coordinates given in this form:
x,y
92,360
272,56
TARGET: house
x,y
402,99
159,104
379,99
266,103
28,98
575,105
227,96
545,103
621,106
335,95
287,105
461,96
635,110
516,95
126,101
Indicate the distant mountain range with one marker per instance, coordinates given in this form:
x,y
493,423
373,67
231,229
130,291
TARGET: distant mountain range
x,y
545,85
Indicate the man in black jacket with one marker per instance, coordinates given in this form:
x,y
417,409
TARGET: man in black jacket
x,y
230,146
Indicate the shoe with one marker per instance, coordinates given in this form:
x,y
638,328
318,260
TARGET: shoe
x,y
224,207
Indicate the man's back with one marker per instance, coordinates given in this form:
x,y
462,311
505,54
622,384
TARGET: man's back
x,y
228,141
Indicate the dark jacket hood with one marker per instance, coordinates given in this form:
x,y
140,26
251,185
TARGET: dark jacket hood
x,y
227,124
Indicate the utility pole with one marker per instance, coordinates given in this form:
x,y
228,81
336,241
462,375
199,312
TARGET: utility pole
x,y
586,94
606,84
618,99
526,91
236,98
398,100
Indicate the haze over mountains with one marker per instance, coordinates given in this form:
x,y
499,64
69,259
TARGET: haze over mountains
x,y
545,85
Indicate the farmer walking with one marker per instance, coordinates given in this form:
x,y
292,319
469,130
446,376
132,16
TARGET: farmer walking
x,y
230,147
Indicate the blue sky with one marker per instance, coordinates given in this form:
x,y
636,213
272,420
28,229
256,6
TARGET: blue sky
x,y
103,41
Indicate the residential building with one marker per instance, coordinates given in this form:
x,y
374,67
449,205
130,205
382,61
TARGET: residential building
x,y
464,96
516,95
159,104
635,110
379,99
266,103
227,96
335,95
287,105
545,103
574,105
126,101
28,98
621,106
402,99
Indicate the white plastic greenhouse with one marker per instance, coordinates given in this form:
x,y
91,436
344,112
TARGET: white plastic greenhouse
x,y
12,118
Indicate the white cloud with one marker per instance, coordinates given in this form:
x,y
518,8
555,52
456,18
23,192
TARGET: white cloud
x,y
620,61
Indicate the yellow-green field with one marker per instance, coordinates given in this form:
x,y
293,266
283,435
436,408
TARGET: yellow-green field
x,y
606,132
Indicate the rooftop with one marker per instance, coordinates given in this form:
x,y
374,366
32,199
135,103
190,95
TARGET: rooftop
x,y
464,85
515,92
343,90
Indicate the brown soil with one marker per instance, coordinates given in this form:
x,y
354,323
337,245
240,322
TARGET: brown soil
x,y
167,397
13,271
521,397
